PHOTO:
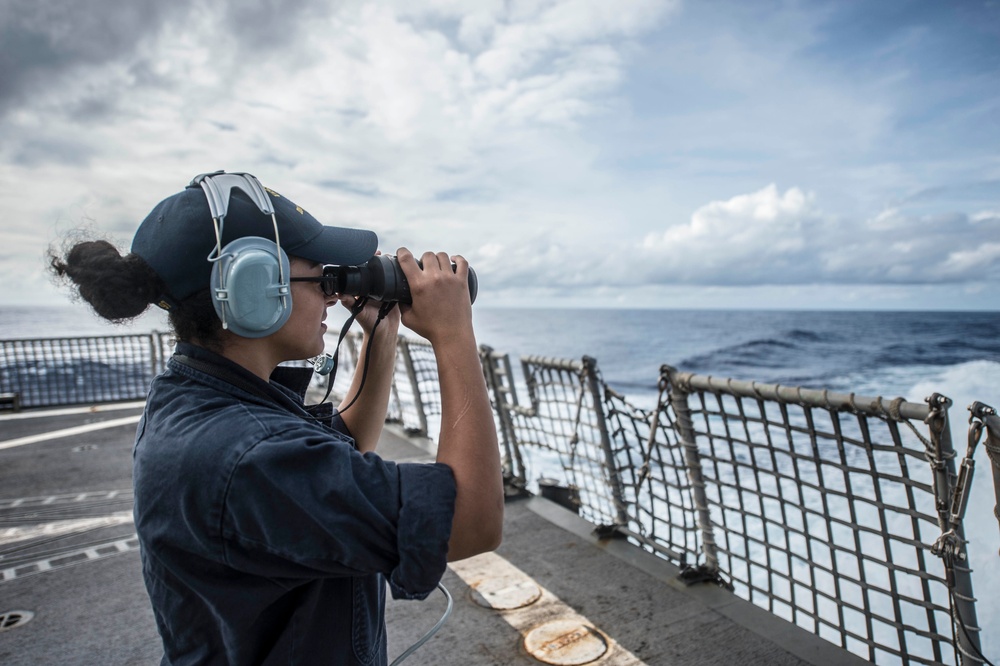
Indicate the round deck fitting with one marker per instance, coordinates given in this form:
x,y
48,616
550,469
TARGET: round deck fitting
x,y
565,643
13,619
505,592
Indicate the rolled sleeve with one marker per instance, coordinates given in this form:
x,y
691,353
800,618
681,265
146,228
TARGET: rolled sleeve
x,y
427,506
302,505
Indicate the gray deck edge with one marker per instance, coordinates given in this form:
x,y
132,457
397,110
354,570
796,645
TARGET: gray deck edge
x,y
796,640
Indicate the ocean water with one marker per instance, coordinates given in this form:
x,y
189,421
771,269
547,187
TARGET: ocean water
x,y
877,352
907,354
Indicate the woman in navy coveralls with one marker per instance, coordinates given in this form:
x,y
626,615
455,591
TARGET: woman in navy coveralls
x,y
269,530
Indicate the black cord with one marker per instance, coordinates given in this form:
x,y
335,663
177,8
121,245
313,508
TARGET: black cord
x,y
383,310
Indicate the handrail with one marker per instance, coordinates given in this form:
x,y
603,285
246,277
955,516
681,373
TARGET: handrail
x,y
841,513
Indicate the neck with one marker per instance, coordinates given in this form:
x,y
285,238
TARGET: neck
x,y
250,354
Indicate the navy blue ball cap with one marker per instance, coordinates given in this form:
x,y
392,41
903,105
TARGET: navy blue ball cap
x,y
178,235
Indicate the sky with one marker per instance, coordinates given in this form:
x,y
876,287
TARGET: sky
x,y
635,153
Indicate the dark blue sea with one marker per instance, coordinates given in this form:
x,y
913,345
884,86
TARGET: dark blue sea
x,y
865,352
908,354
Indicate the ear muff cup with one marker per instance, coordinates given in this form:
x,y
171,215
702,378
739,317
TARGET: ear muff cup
x,y
246,287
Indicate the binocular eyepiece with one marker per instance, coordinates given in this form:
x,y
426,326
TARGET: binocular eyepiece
x,y
381,278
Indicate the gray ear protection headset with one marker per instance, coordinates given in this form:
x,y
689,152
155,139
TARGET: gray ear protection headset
x,y
249,282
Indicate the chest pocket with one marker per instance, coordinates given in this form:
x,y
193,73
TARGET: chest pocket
x,y
368,622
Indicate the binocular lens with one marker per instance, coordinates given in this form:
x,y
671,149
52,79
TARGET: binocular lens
x,y
381,278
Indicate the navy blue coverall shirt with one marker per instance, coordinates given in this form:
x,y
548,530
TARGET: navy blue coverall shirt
x,y
266,537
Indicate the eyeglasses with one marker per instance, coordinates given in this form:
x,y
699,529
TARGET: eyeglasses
x,y
329,281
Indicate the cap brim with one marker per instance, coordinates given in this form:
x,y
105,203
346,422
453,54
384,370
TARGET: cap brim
x,y
337,245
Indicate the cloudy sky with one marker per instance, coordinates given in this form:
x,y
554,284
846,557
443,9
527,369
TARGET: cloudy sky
x,y
639,153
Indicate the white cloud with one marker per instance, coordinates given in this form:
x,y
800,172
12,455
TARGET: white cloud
x,y
769,237
547,140
986,216
747,238
983,260
538,31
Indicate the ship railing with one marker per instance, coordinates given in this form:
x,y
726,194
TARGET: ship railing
x,y
49,372
841,513
983,419
838,512
834,512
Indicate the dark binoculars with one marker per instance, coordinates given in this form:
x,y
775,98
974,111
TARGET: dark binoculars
x,y
381,278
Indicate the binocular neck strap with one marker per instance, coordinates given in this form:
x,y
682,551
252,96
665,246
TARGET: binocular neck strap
x,y
356,309
383,310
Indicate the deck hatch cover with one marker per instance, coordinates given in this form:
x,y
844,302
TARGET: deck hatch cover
x,y
505,592
13,619
565,643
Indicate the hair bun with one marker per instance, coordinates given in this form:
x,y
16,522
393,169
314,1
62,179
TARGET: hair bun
x,y
117,287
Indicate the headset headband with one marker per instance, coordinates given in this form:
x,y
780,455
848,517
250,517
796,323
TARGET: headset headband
x,y
218,187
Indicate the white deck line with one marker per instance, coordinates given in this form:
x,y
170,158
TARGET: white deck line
x,y
68,432
58,527
67,411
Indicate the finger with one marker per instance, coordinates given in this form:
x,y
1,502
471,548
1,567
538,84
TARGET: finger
x,y
407,263
431,261
444,261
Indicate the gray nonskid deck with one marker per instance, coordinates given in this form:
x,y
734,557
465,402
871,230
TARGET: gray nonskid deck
x,y
93,609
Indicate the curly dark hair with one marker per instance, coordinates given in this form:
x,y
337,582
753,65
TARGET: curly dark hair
x,y
119,288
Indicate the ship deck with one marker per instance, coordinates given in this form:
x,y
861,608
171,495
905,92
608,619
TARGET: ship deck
x,y
72,593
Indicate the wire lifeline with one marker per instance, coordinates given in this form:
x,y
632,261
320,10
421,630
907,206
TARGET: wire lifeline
x,y
959,621
430,634
654,420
